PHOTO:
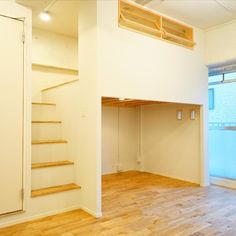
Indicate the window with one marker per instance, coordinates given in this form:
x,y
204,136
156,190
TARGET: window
x,y
215,79
230,76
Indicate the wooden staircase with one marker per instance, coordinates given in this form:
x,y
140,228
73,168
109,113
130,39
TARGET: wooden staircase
x,y
51,164
51,168
54,189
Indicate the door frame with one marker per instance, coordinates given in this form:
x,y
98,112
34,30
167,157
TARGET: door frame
x,y
24,123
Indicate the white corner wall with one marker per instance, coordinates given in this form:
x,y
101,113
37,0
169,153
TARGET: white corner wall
x,y
89,106
220,43
120,139
171,147
54,49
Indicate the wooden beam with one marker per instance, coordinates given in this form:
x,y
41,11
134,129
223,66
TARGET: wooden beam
x,y
106,101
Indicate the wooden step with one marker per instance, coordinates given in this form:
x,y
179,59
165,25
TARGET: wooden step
x,y
51,164
54,189
36,142
46,122
44,103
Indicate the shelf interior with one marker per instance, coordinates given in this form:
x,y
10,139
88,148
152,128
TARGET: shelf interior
x,y
140,19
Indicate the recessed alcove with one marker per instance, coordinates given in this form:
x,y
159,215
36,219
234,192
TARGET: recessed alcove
x,y
147,135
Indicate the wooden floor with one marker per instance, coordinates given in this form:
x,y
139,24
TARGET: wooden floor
x,y
144,204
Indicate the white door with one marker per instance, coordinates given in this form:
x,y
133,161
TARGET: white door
x,y
11,115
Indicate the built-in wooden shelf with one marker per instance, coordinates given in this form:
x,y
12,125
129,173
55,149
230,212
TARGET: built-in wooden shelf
x,y
48,142
140,19
43,104
46,122
177,32
51,164
54,189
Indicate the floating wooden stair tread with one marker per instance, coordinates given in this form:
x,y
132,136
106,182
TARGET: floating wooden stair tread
x,y
54,189
51,164
46,122
44,103
48,142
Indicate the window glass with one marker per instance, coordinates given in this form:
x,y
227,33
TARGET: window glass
x,y
230,76
215,78
222,130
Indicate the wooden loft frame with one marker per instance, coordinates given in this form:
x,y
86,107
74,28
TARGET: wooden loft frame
x,y
111,101
140,19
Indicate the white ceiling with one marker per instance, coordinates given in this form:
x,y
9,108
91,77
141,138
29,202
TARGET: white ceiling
x,y
200,13
64,15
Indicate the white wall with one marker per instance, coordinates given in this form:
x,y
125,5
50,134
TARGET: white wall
x,y
90,109
171,147
54,49
220,43
136,66
43,78
119,139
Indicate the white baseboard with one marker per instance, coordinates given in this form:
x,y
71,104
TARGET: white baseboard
x,y
93,213
173,177
229,183
39,216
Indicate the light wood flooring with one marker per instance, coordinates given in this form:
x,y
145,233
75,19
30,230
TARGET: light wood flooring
x,y
138,204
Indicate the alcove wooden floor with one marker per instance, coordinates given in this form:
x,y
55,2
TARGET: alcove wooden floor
x,y
145,204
